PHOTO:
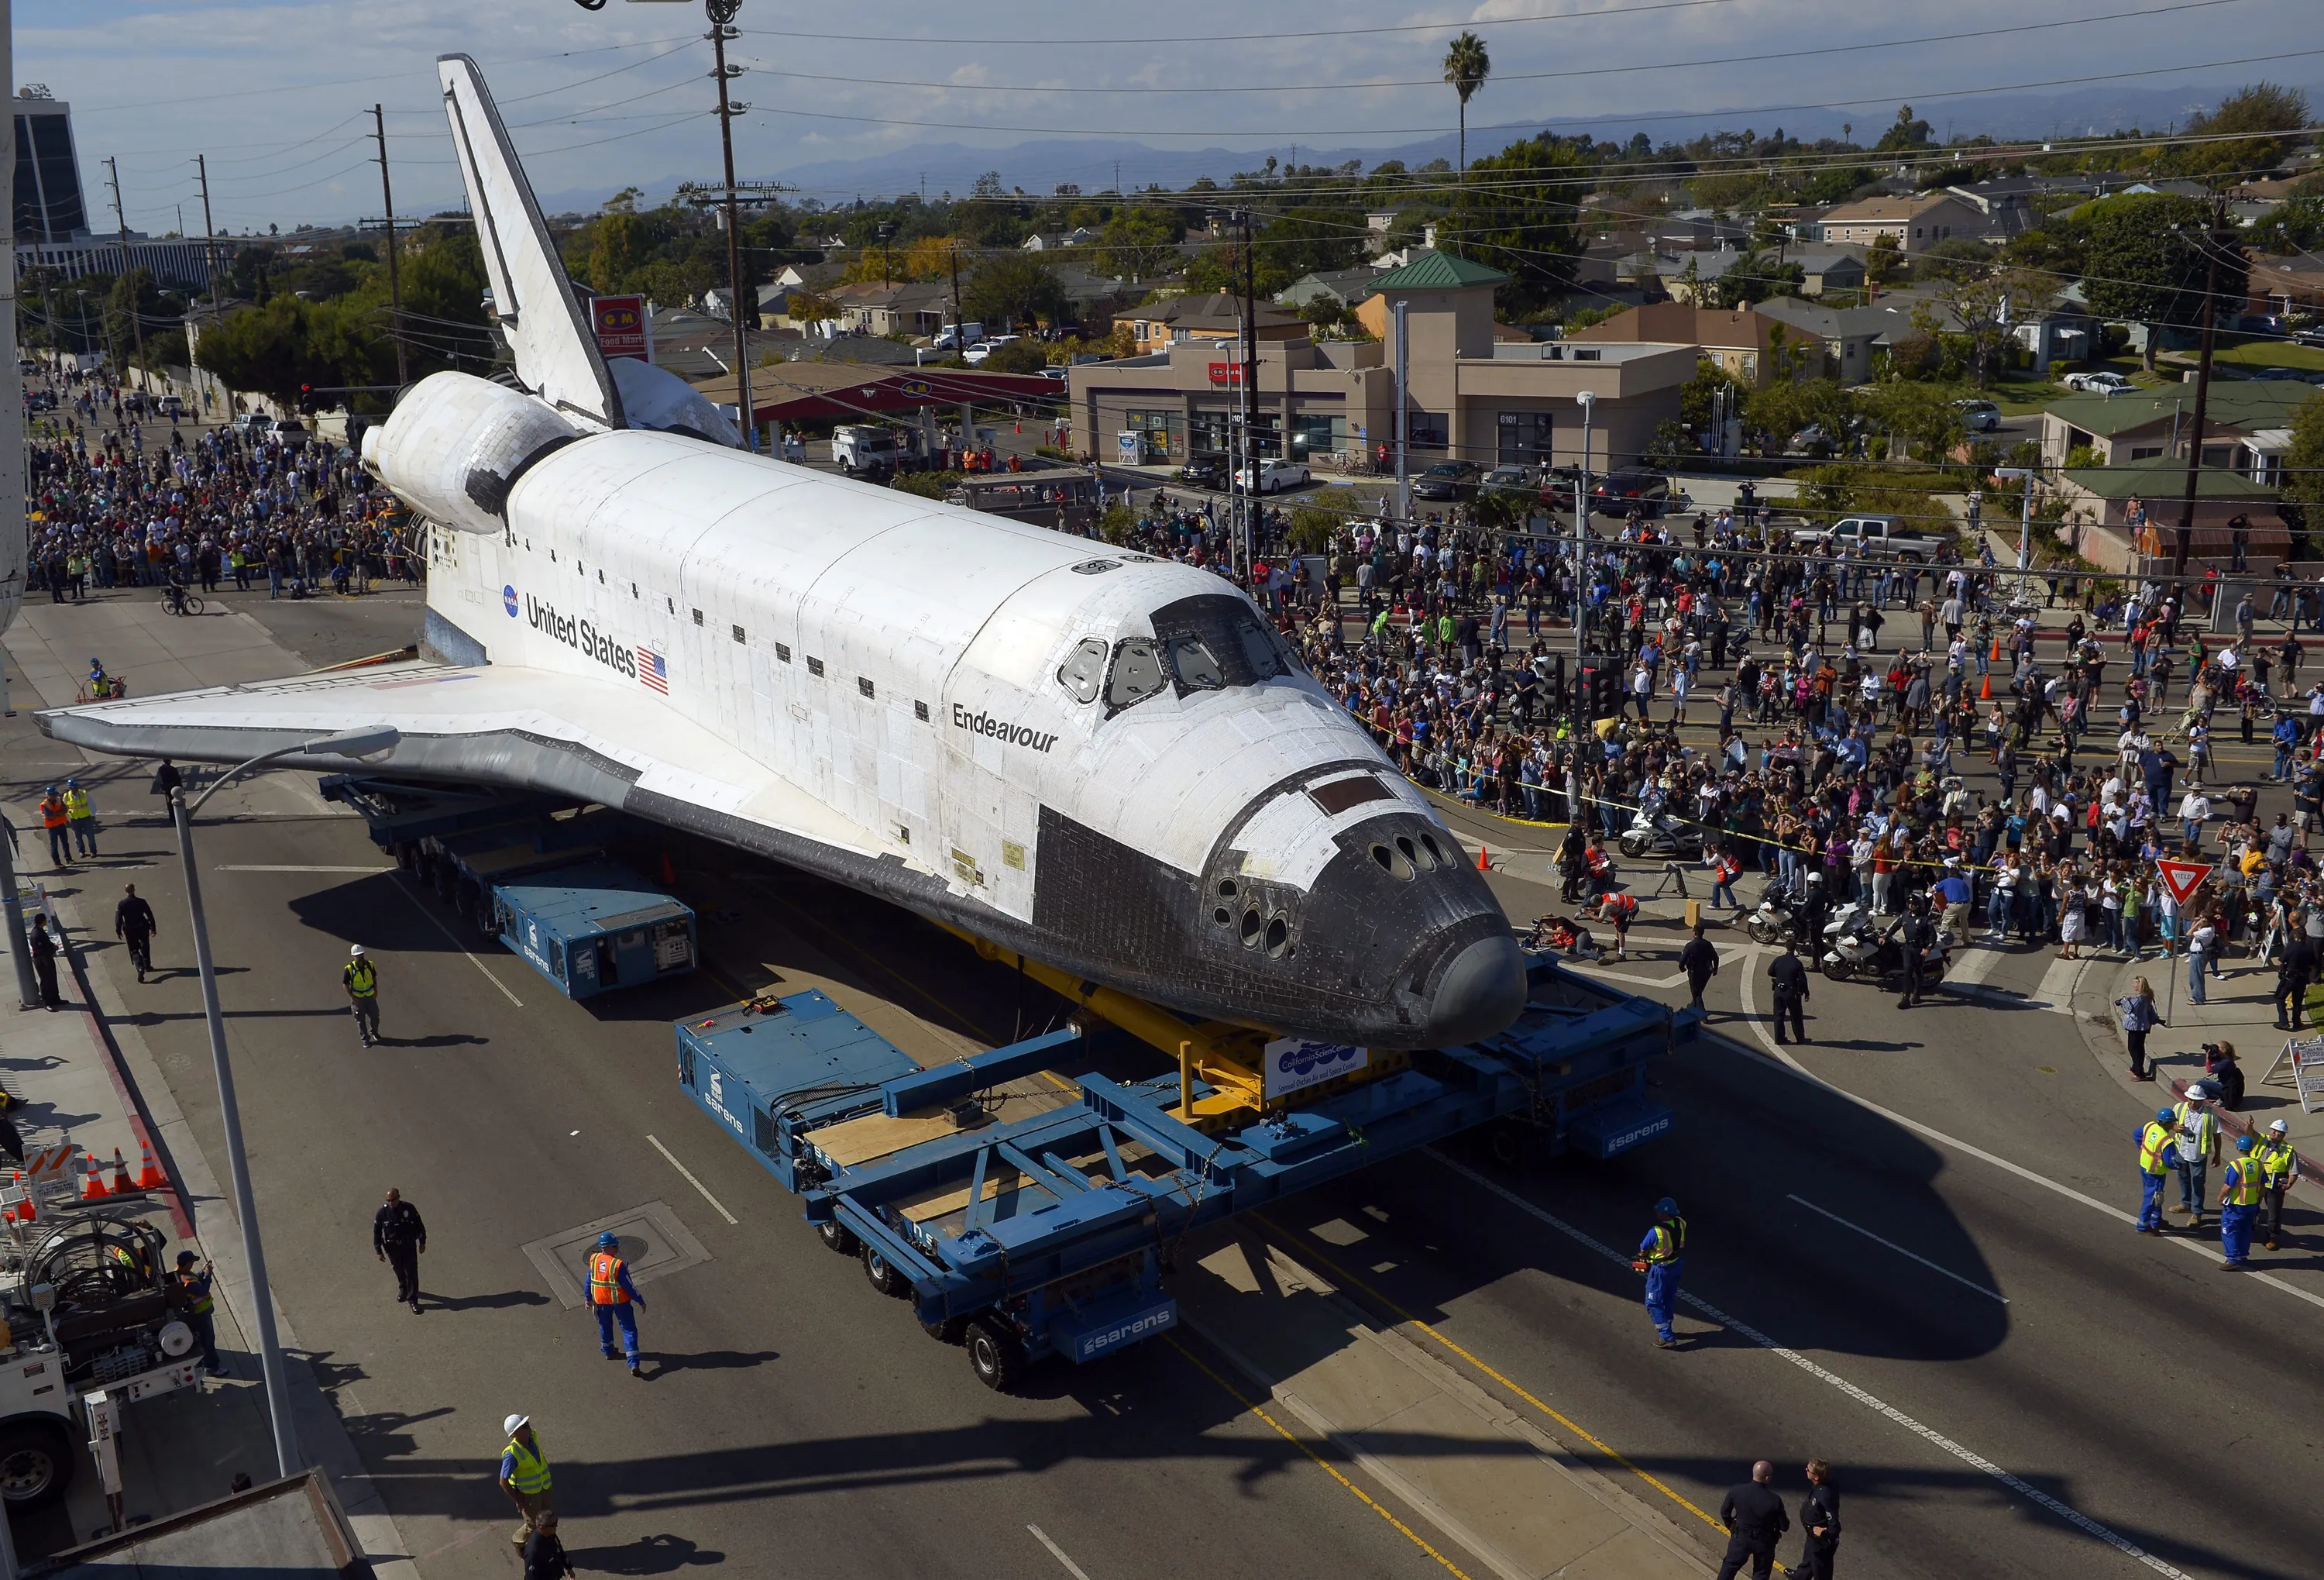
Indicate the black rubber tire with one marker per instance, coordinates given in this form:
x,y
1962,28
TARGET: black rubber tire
x,y
1839,970
995,1355
839,1236
36,1462
1760,933
883,1275
1631,848
1510,1145
952,1330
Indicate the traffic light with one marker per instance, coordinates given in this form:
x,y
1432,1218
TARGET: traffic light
x,y
307,399
1601,692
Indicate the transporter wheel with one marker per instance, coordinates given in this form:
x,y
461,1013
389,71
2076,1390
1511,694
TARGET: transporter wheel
x,y
883,1275
952,1330
996,1356
1510,1145
36,1464
839,1236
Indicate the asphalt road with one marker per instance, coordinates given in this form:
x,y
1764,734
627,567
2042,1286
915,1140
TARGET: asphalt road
x,y
793,1421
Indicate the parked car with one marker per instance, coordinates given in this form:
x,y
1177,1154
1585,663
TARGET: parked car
x,y
1978,416
2278,375
1448,480
1515,482
1619,493
2311,336
251,424
2258,324
1275,474
2101,383
1204,472
977,352
1879,536
174,407
949,337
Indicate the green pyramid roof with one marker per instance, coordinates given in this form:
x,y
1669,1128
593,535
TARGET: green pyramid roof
x,y
1438,272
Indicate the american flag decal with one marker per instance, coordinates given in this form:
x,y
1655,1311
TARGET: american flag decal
x,y
652,670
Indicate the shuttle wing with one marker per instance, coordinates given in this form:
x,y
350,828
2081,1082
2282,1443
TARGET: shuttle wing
x,y
556,355
602,741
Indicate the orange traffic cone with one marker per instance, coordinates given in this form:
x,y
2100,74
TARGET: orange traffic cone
x,y
1997,651
92,1183
1985,691
121,1185
25,1214
1484,859
149,1169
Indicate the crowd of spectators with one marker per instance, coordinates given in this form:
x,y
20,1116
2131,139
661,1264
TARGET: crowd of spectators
x,y
109,505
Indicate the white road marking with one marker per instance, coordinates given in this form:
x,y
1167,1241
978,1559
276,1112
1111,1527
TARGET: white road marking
x,y
245,868
690,1179
2017,1484
1058,1553
2056,992
1976,967
1899,1250
1783,1056
438,923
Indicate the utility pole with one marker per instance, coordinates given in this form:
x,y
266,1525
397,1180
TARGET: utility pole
x,y
1249,393
2202,390
394,285
721,29
113,174
210,231
959,333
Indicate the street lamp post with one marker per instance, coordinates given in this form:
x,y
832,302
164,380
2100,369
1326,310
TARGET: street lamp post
x,y
2025,476
1581,536
359,743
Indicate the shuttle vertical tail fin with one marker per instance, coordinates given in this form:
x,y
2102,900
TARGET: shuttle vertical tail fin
x,y
557,356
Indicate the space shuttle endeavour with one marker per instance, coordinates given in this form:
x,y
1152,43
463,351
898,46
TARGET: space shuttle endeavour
x,y
1105,761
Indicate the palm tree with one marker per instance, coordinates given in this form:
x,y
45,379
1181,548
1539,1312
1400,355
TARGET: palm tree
x,y
1466,67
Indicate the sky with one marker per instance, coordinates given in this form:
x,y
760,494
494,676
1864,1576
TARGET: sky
x,y
277,93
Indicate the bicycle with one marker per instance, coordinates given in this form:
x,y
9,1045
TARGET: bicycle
x,y
182,603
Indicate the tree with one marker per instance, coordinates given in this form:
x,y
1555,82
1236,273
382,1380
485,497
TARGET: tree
x,y
1695,396
2296,227
1466,67
2259,123
1138,241
271,349
1010,288
1755,277
1903,135
1881,260
1017,357
1522,220
1924,414
2303,469
2147,258
1787,407
1955,258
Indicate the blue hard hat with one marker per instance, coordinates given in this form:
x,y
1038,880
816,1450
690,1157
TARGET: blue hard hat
x,y
2242,1143
608,1240
2163,1114
1667,1207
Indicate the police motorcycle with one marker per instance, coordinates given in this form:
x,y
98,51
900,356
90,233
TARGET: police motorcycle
x,y
1858,943
1661,834
1776,921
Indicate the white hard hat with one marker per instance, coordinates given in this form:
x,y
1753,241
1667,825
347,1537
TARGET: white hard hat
x,y
2278,1128
2198,1093
355,950
513,1422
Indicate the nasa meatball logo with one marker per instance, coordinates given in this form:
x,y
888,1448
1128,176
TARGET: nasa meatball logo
x,y
508,599
1297,1062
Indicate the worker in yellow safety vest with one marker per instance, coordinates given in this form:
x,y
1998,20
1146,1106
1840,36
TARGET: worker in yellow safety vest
x,y
82,817
1661,1256
611,1297
2154,1163
524,1476
2242,1185
2283,1165
361,979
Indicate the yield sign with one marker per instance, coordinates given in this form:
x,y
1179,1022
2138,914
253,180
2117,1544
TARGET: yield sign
x,y
2183,878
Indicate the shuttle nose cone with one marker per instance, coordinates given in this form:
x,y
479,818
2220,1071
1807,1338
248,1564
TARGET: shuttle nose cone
x,y
1483,989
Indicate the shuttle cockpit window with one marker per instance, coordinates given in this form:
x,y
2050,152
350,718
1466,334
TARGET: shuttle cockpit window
x,y
1137,675
1084,671
1215,641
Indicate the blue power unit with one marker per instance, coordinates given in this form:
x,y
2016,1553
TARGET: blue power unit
x,y
595,926
1031,1215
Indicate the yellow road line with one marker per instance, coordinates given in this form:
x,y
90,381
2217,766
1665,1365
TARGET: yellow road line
x,y
1310,1249
1326,1465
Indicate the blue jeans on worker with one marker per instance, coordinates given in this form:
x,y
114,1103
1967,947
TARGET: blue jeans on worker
x,y
2190,1184
1662,1294
60,847
2150,1199
205,1326
84,832
1726,889
2195,979
2236,1232
628,1317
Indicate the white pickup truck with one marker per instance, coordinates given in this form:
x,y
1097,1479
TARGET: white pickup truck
x,y
1881,537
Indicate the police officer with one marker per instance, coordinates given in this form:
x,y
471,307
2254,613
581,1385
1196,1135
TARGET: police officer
x,y
2282,1167
1820,1522
44,963
524,1476
397,1238
1661,1256
611,1295
2242,1186
1754,1517
1790,978
361,979
1914,933
133,925
1700,961
81,817
2155,1153
200,1308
